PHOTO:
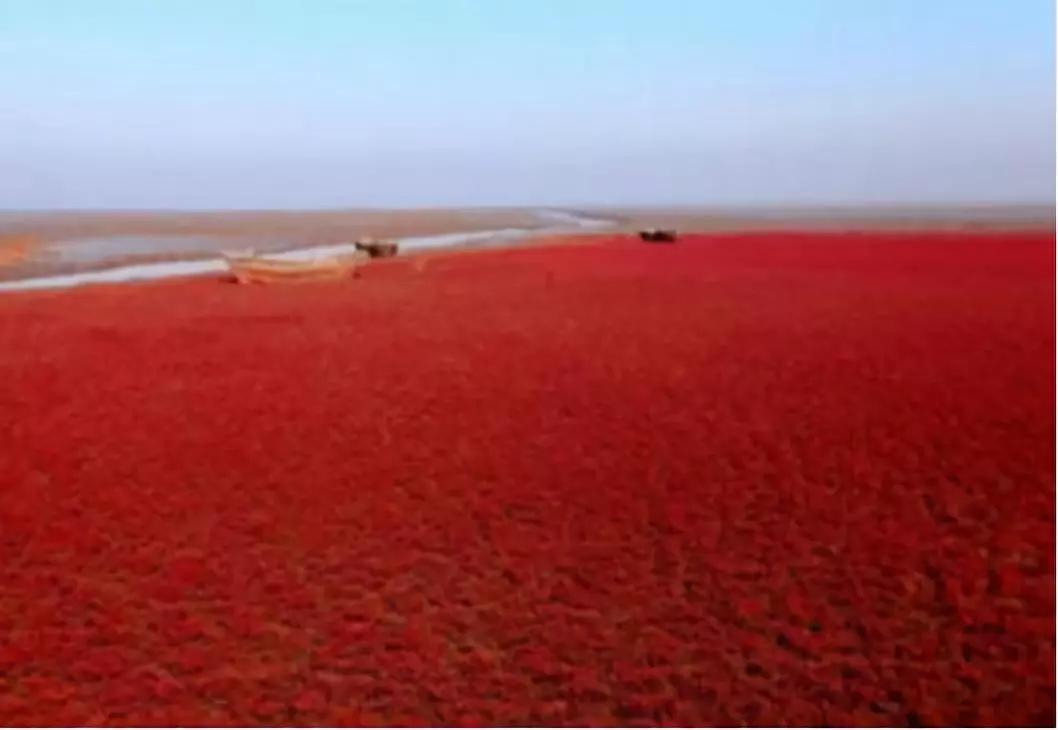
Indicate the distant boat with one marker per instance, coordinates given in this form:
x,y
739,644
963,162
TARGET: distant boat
x,y
658,235
248,268
377,249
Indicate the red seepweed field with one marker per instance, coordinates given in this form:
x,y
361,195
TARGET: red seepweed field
x,y
759,478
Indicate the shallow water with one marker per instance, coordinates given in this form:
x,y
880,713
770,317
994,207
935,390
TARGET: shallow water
x,y
577,220
100,249
120,274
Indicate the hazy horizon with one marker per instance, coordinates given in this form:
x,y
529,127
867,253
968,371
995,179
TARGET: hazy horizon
x,y
114,105
895,207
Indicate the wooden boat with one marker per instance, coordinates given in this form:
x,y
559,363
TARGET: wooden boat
x,y
248,268
377,249
658,235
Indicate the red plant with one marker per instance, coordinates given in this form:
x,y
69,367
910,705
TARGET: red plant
x,y
772,479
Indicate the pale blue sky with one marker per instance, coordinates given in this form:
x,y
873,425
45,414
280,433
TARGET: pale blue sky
x,y
322,103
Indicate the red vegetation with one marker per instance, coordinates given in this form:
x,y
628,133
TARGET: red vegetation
x,y
790,479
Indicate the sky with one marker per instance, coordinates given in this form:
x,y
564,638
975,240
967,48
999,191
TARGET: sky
x,y
402,103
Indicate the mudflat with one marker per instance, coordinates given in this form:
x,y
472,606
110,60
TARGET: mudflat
x,y
837,218
36,243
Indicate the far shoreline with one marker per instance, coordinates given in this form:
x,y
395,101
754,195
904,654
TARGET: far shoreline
x,y
33,244
422,259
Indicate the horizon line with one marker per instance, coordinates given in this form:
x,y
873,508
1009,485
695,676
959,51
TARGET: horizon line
x,y
703,206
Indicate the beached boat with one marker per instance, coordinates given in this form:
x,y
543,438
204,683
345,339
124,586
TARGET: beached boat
x,y
248,268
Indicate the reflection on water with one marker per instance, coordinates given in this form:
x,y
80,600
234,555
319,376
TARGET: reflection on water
x,y
459,239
